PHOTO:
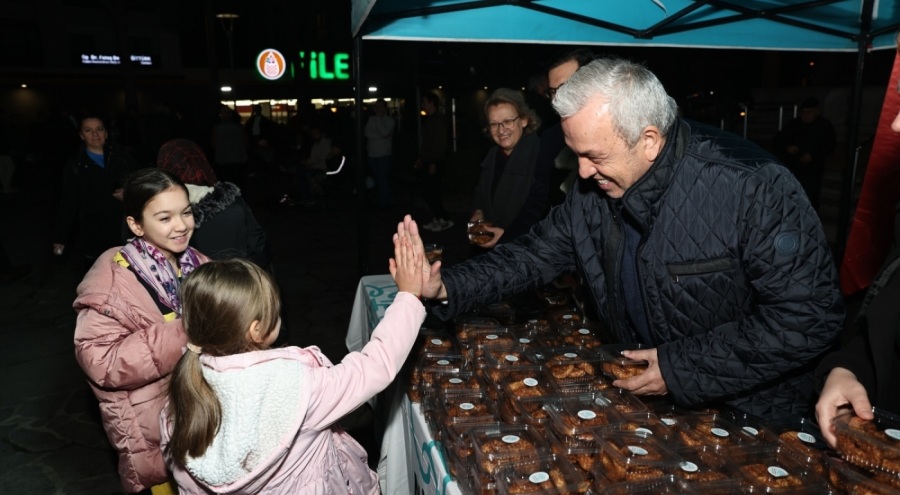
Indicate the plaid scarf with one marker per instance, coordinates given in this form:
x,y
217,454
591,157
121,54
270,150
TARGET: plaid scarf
x,y
152,266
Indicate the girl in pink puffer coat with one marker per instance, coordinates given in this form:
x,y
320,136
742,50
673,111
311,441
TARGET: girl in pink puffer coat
x,y
128,335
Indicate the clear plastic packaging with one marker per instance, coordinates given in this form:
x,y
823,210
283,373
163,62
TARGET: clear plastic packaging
x,y
633,457
460,382
671,485
432,341
516,387
467,323
431,364
579,416
532,410
644,423
513,361
545,475
583,451
776,470
468,408
479,338
703,465
571,365
618,366
874,445
844,477
712,430
495,447
623,401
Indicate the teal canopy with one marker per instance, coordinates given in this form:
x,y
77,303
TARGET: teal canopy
x,y
822,25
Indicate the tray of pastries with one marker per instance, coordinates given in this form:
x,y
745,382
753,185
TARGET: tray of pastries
x,y
874,444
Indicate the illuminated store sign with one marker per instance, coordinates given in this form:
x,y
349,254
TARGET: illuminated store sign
x,y
270,64
317,66
99,59
323,67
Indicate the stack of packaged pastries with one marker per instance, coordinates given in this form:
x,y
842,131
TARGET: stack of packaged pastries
x,y
871,450
527,406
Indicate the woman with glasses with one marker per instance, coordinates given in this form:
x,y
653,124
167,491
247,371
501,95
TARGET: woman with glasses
x,y
509,198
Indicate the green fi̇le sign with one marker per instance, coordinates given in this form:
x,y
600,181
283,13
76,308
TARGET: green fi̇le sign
x,y
319,66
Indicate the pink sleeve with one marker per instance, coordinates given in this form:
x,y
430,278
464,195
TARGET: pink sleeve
x,y
337,390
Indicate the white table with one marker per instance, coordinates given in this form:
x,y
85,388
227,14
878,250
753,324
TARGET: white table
x,y
410,461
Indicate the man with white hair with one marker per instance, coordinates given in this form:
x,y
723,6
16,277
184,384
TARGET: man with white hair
x,y
693,242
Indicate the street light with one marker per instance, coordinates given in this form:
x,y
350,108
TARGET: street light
x,y
227,20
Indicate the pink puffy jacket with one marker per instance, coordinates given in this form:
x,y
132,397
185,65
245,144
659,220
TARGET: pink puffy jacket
x,y
127,350
279,409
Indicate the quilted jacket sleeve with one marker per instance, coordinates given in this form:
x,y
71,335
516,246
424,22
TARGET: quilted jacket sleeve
x,y
526,263
334,391
120,343
796,307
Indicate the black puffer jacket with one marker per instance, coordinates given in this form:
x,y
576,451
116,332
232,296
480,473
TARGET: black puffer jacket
x,y
739,286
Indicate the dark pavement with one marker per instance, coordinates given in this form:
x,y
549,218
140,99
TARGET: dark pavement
x,y
51,440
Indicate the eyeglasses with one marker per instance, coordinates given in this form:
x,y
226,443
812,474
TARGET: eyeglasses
x,y
551,91
505,124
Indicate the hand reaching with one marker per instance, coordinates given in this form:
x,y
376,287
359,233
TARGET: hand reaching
x,y
841,389
650,382
498,233
406,266
432,287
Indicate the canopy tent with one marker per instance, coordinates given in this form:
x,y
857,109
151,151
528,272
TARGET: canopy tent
x,y
837,25
801,25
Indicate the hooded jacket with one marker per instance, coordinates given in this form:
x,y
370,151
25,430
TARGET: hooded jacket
x,y
279,409
127,349
225,227
739,288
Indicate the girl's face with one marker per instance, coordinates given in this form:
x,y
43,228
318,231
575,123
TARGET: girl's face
x,y
167,222
94,134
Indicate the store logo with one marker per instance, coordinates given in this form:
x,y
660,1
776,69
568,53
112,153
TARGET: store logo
x,y
270,64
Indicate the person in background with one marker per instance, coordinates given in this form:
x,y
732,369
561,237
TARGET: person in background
x,y
128,335
695,243
432,160
245,418
556,161
229,144
508,170
866,371
91,201
260,131
379,143
224,226
316,164
804,145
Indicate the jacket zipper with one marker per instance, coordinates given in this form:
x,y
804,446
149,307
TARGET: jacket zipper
x,y
616,294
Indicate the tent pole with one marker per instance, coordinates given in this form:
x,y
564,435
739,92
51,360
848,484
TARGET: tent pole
x,y
360,183
848,178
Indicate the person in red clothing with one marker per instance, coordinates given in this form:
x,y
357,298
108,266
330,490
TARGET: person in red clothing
x,y
866,371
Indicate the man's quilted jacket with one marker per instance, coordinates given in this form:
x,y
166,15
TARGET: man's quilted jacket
x,y
739,286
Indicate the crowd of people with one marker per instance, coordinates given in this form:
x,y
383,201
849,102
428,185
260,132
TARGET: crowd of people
x,y
698,245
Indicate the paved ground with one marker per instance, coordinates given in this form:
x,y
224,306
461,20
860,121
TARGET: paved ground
x,y
51,441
